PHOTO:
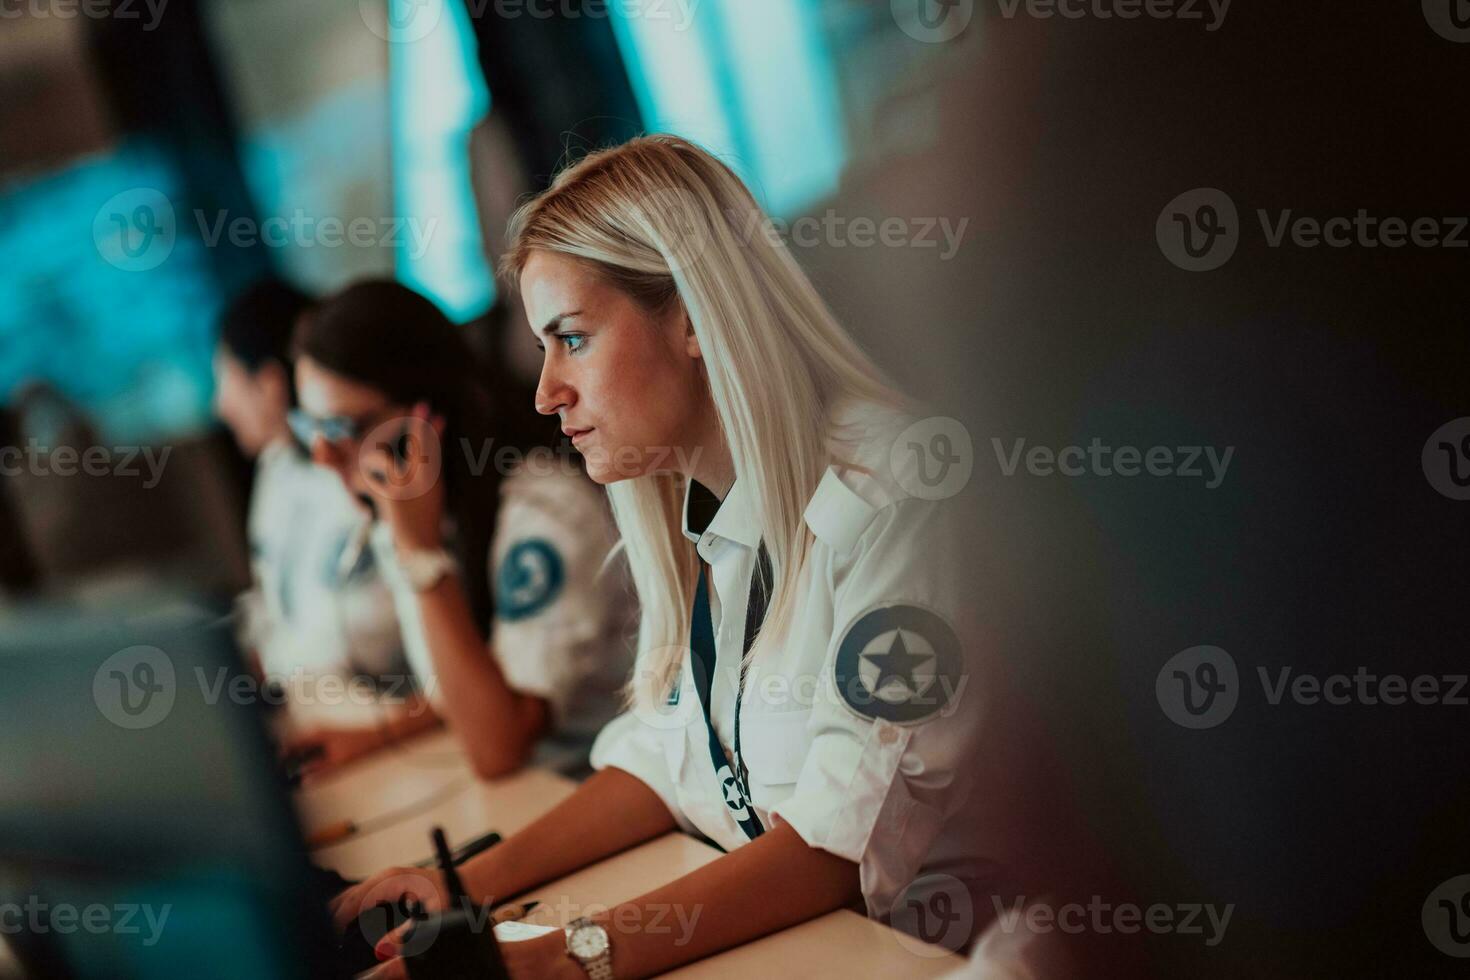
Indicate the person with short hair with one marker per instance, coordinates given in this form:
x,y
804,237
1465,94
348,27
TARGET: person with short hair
x,y
317,603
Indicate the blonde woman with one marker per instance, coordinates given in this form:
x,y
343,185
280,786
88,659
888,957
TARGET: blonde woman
x,y
798,689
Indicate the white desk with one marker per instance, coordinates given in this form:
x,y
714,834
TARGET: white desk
x,y
839,945
428,781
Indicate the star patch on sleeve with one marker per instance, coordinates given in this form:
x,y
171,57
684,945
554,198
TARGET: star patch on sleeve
x,y
900,663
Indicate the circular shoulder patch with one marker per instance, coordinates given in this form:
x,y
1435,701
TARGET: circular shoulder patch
x,y
900,663
530,578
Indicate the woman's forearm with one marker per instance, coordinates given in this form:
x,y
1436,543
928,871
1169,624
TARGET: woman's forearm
x,y
496,724
414,716
610,812
772,883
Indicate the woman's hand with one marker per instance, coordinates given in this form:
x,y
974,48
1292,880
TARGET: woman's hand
x,y
392,885
323,748
573,834
408,489
542,958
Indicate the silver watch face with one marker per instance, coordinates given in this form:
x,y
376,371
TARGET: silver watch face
x,y
587,942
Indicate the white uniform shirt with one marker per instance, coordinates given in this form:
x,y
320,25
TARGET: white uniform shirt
x,y
854,725
318,604
564,614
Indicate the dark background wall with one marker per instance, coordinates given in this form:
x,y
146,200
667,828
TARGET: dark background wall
x,y
1325,550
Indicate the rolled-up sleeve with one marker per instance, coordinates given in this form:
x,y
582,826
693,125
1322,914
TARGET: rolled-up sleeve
x,y
882,774
629,743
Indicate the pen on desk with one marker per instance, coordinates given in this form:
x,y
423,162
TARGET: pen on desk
x,y
514,912
330,834
468,850
341,830
476,847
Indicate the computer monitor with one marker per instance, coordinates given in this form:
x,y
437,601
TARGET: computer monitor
x,y
145,827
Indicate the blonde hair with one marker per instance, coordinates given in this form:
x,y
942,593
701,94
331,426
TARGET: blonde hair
x,y
663,220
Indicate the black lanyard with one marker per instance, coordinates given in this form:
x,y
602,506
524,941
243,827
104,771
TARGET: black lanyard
x,y
733,780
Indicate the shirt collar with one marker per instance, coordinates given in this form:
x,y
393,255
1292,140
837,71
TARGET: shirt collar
x,y
732,519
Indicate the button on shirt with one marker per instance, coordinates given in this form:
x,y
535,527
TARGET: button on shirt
x,y
854,722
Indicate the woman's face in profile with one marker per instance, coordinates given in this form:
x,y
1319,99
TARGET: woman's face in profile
x,y
626,383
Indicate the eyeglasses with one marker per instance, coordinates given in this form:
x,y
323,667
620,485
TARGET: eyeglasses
x,y
333,428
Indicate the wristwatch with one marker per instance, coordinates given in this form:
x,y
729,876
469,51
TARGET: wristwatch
x,y
423,569
587,943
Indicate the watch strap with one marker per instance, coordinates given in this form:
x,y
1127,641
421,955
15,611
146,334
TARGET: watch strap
x,y
425,569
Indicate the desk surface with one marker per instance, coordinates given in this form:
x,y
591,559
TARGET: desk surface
x,y
397,795
839,945
431,772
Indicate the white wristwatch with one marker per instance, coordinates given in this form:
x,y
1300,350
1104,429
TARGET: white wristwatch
x,y
587,943
423,569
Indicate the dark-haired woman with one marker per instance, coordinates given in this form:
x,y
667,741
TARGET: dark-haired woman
x,y
483,532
